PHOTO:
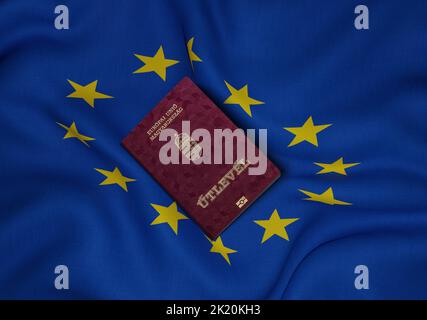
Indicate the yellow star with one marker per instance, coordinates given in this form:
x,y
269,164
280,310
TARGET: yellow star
x,y
193,57
113,177
325,197
241,97
275,226
218,247
169,215
88,92
308,132
338,166
72,132
157,64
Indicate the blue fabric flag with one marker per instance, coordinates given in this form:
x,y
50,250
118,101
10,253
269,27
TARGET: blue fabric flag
x,y
341,89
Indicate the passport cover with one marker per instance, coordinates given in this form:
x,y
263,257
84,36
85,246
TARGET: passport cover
x,y
193,185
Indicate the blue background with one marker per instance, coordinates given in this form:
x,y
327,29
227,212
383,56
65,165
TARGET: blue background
x,y
302,58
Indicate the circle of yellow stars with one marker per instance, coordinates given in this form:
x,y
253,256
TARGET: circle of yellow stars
x,y
169,215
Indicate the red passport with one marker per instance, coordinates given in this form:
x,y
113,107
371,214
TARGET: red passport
x,y
213,194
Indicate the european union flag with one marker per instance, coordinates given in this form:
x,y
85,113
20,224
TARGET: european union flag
x,y
340,86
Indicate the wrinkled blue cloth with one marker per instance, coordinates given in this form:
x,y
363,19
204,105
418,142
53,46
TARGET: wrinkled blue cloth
x,y
302,58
